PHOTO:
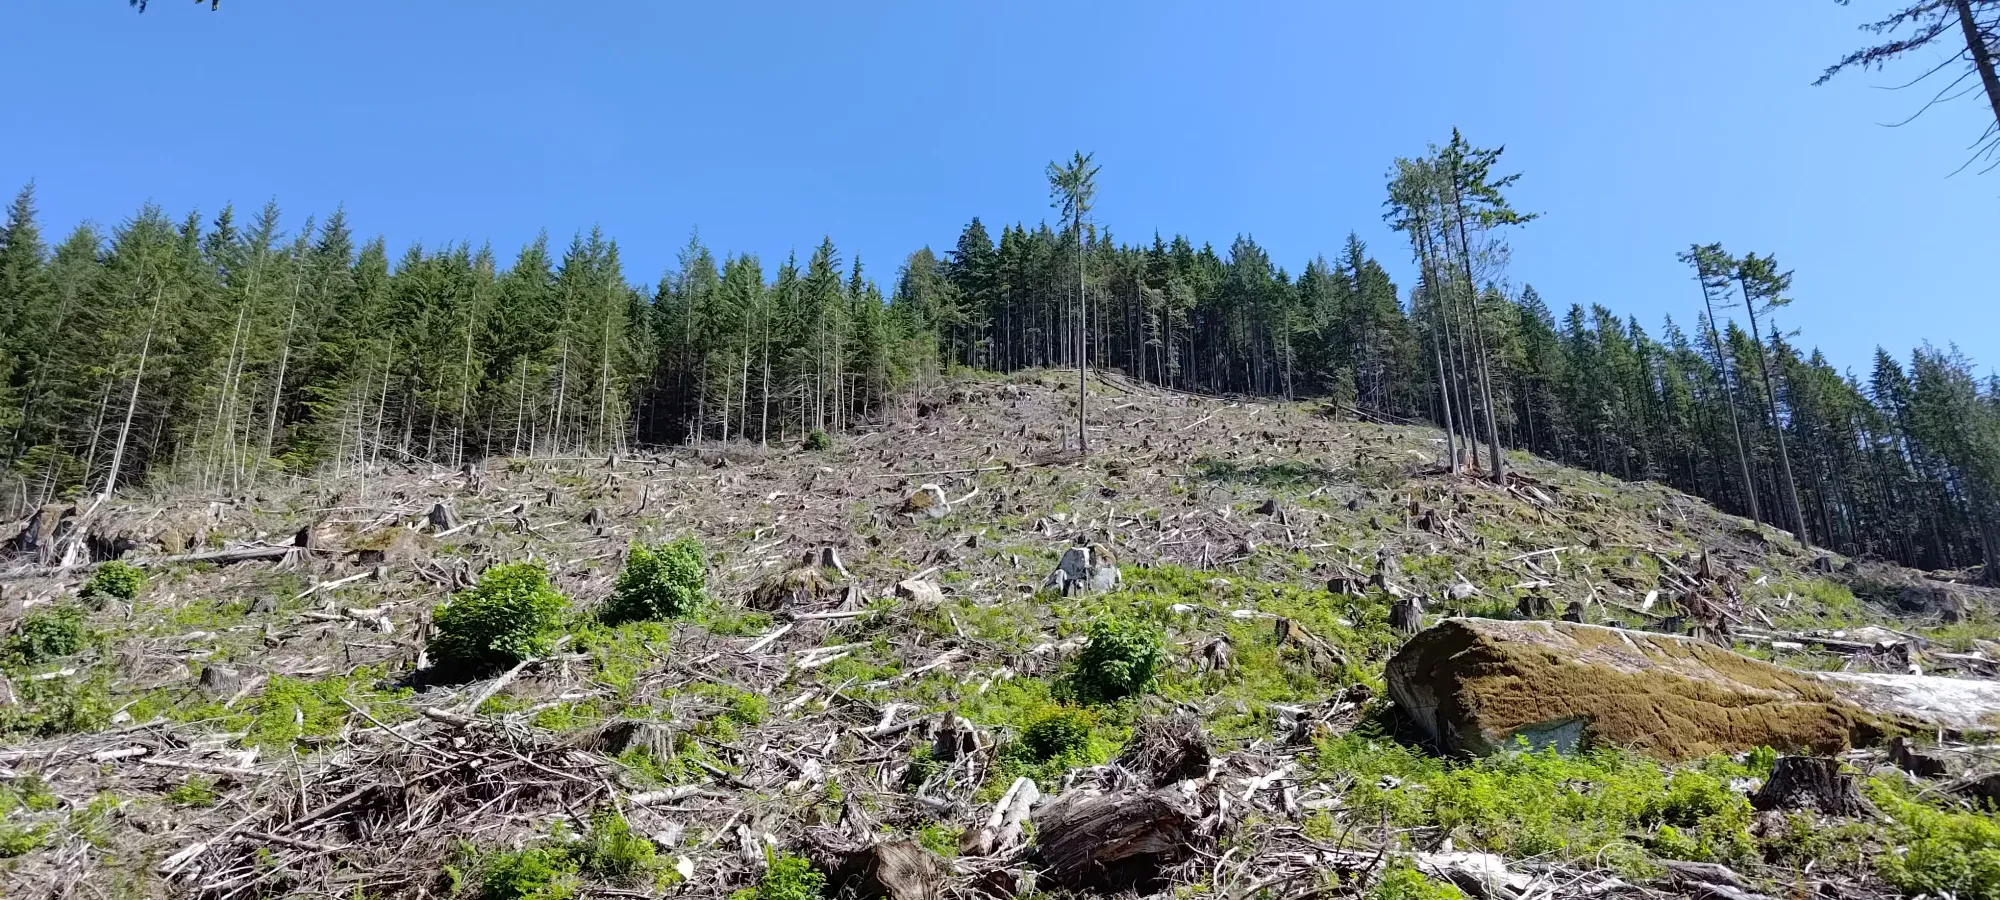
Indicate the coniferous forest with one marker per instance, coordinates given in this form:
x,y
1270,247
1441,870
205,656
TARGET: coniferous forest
x,y
219,351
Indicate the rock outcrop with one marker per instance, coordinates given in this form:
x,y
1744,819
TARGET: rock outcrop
x,y
1477,685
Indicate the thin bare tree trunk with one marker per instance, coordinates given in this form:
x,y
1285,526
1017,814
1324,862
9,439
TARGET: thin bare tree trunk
x,y
278,383
132,403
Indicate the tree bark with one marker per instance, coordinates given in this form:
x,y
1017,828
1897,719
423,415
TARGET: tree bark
x,y
1982,56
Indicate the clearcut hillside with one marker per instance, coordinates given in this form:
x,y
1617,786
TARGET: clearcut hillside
x,y
265,695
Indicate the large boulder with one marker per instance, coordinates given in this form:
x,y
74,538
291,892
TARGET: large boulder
x,y
1476,685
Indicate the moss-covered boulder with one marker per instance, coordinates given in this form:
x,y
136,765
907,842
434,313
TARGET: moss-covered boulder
x,y
1476,685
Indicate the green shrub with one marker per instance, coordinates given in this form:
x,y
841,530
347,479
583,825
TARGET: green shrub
x,y
59,706
196,791
1117,662
1945,853
511,615
536,873
612,850
49,634
1057,733
1401,882
818,441
121,580
789,878
664,582
19,840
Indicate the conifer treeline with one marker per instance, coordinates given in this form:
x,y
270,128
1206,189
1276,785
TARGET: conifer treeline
x,y
217,354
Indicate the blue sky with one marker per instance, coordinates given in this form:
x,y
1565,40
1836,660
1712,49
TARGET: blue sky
x,y
1639,127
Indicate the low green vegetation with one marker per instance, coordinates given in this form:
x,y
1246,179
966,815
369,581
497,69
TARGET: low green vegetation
x,y
512,614
660,583
196,791
1117,662
817,441
115,580
553,868
46,635
1402,882
286,711
786,878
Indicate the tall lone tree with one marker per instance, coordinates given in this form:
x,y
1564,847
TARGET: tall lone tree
x,y
1759,280
1073,187
1712,269
1927,25
1475,193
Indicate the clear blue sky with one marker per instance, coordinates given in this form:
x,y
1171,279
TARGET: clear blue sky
x,y
1639,127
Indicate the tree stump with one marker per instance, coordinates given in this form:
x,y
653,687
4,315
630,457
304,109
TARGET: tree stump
x,y
1167,750
1116,842
220,681
1811,782
441,517
891,870
1406,616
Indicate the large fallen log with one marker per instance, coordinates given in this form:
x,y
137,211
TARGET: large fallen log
x,y
1477,685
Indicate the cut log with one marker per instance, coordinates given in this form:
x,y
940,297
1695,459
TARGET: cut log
x,y
1811,782
829,558
1116,842
219,557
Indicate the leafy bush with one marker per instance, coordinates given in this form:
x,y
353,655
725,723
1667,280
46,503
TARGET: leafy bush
x,y
818,441
18,840
196,791
789,878
664,582
612,850
47,635
1057,733
536,873
1946,853
58,706
1401,882
121,580
511,615
1119,661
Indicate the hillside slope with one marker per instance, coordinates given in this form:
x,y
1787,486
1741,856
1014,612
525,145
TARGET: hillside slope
x,y
255,722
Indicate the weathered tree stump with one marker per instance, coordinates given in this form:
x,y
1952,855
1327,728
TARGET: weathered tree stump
x,y
1811,782
220,681
1165,750
621,735
441,517
1116,842
1406,616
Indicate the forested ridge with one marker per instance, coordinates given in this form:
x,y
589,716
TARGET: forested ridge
x,y
221,351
